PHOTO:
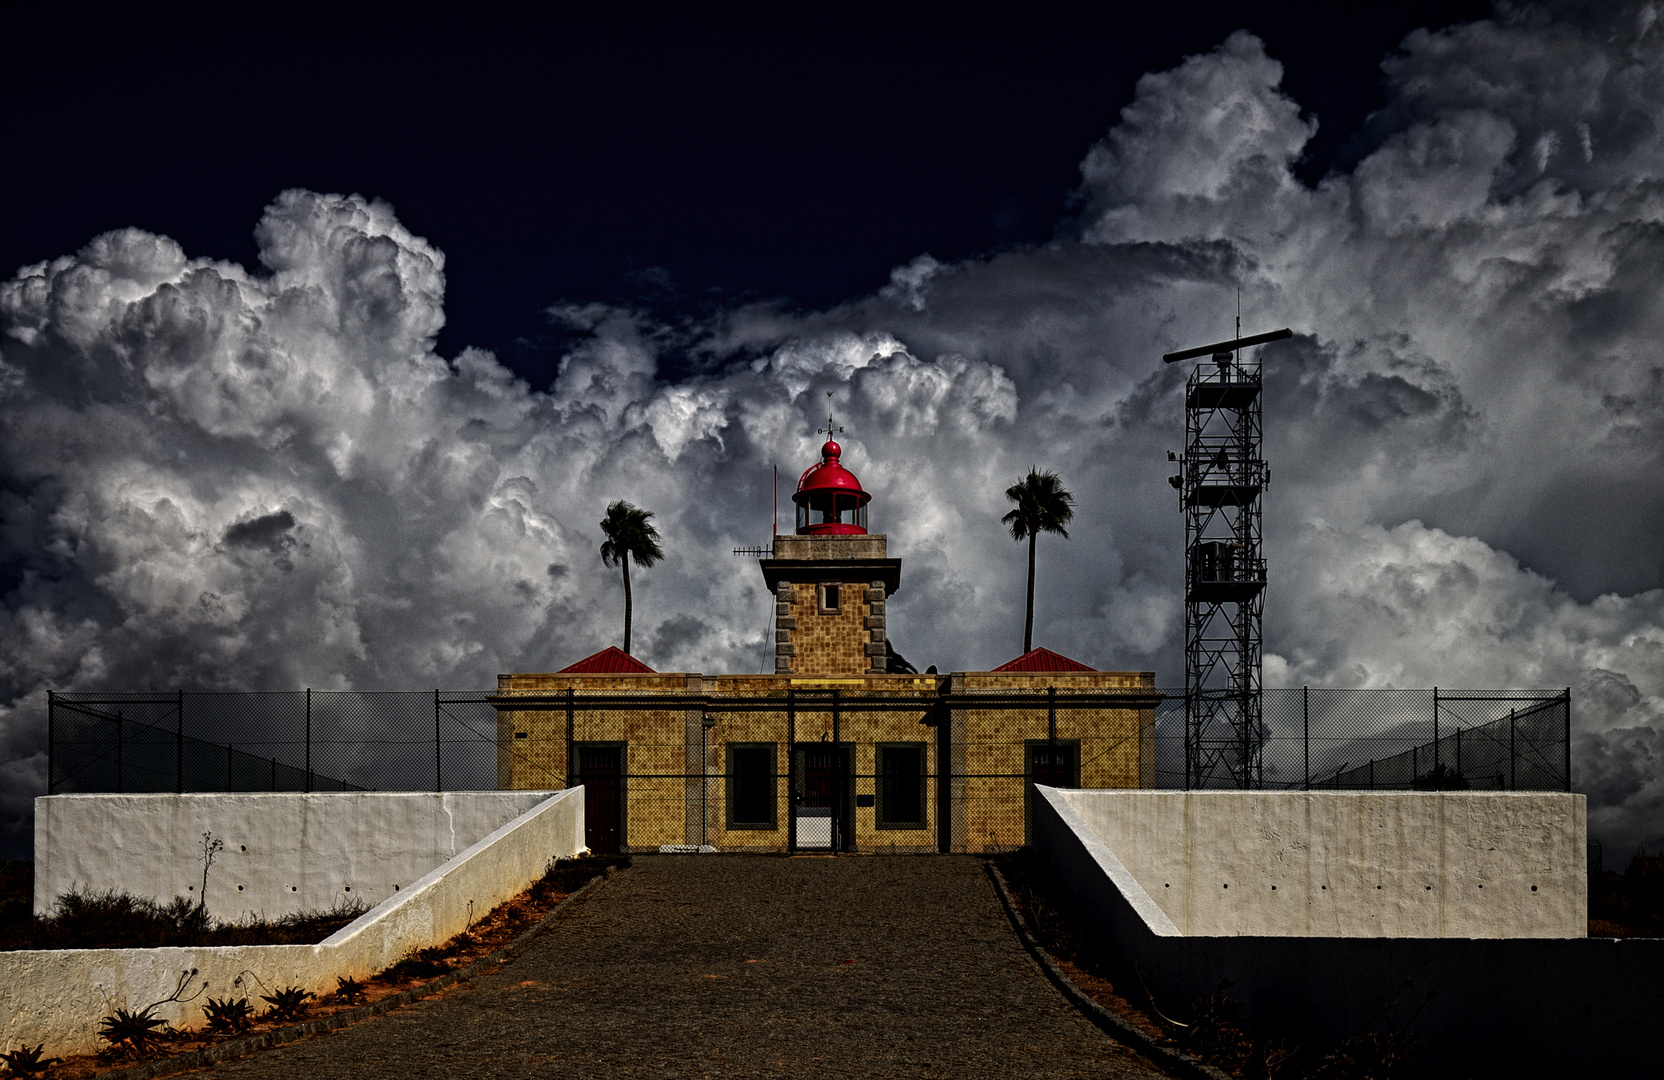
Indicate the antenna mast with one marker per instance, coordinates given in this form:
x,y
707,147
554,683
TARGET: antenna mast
x,y
1220,479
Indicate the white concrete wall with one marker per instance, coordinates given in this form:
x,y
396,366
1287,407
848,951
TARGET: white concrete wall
x,y
1352,864
58,997
1482,1006
284,851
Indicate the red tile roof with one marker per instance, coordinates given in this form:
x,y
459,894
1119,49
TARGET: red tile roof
x,y
609,661
1043,660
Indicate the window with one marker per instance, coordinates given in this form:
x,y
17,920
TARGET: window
x,y
901,786
831,594
832,508
751,786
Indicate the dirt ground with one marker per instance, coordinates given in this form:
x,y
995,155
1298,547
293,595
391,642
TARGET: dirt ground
x,y
742,966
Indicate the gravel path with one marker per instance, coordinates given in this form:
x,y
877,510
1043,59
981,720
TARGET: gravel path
x,y
740,966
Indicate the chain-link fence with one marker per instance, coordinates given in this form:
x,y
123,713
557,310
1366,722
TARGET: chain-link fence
x,y
864,769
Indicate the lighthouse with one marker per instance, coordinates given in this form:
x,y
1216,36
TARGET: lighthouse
x,y
830,578
831,750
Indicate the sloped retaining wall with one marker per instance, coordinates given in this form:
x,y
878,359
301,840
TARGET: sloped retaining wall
x,y
59,996
283,851
1532,1006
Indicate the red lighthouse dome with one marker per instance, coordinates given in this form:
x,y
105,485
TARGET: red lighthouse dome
x,y
829,499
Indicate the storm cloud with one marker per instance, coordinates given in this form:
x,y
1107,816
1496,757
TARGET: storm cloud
x,y
217,477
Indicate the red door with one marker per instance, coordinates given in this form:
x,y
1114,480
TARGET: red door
x,y
600,770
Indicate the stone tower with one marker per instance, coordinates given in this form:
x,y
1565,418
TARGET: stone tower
x,y
830,579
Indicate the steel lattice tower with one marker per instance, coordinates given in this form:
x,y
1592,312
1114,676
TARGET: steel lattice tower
x,y
1221,477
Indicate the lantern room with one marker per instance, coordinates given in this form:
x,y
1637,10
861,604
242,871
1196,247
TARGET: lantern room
x,y
829,499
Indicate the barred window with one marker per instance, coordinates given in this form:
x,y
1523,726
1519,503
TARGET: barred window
x,y
751,786
901,786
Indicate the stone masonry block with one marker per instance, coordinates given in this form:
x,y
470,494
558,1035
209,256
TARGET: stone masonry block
x,y
875,648
876,607
874,622
785,649
783,608
782,635
876,596
879,637
785,622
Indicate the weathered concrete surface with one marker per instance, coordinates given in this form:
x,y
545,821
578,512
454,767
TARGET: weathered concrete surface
x,y
1527,1007
58,996
745,966
284,851
1352,864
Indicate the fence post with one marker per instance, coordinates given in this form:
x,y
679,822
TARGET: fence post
x,y
571,734
791,771
1458,751
51,741
1051,717
1435,729
1306,731
838,794
119,762
228,753
179,742
1187,738
438,776
274,774
1513,776
1372,774
1567,745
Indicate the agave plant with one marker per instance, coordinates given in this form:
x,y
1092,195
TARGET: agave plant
x,y
132,1033
349,991
27,1062
228,1016
286,1004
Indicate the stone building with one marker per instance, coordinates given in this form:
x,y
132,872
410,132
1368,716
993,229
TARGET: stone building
x,y
843,746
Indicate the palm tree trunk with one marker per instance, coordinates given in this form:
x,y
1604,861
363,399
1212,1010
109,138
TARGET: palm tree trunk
x,y
1028,621
625,563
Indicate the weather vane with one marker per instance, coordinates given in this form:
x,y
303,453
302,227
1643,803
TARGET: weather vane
x,y
829,430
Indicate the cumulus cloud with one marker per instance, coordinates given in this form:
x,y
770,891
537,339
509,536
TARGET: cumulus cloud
x,y
216,477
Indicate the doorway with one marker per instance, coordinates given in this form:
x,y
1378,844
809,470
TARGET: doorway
x,y
1053,762
601,772
822,796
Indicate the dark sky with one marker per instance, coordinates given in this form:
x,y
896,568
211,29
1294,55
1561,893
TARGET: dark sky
x,y
676,157
215,481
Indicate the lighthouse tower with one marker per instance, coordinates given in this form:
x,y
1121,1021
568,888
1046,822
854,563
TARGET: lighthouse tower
x,y
830,578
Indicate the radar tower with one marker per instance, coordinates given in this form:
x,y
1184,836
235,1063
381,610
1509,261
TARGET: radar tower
x,y
1220,479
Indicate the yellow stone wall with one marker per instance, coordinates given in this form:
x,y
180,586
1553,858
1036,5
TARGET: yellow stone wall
x,y
830,644
667,801
656,746
1116,747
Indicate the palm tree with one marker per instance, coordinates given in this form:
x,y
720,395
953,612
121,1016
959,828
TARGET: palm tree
x,y
630,532
1042,506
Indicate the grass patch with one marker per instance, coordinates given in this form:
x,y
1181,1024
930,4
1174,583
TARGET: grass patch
x,y
85,919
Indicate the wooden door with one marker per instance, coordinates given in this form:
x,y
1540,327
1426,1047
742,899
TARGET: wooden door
x,y
601,771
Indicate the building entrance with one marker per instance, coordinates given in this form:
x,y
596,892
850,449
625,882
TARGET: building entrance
x,y
601,772
1054,763
821,797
